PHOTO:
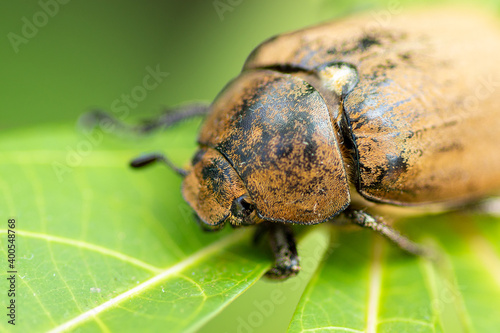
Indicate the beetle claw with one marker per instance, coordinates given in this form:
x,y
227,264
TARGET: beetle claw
x,y
284,269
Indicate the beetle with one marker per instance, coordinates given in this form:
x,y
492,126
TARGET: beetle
x,y
325,121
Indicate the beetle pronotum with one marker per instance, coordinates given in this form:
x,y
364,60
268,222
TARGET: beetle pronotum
x,y
324,120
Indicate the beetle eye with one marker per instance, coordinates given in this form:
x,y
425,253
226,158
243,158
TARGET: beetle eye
x,y
241,207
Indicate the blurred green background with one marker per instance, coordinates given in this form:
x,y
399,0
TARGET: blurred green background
x,y
88,54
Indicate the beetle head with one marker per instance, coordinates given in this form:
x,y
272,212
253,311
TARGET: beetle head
x,y
216,193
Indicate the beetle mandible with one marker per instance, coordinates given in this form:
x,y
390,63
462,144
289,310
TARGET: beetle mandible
x,y
325,120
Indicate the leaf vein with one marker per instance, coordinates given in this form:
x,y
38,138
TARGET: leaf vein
x,y
87,246
375,285
338,328
164,275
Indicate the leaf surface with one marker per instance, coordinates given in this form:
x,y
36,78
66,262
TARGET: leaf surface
x,y
368,285
100,247
103,247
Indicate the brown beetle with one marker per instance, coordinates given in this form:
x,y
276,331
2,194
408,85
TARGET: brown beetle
x,y
324,120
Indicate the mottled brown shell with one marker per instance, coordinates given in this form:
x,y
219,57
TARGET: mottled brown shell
x,y
425,115
275,130
407,112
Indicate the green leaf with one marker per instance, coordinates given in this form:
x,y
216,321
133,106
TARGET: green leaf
x,y
368,285
101,247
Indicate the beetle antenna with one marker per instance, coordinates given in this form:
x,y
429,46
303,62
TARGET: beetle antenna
x,y
147,159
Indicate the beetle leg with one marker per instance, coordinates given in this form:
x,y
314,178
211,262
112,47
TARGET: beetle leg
x,y
173,116
168,118
282,242
147,159
377,224
490,206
